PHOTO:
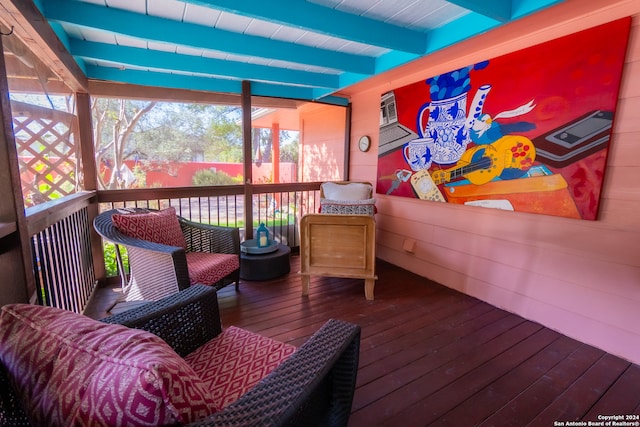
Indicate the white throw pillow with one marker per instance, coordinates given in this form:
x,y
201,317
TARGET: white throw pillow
x,y
350,191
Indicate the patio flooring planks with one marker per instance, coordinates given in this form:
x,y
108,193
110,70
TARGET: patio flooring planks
x,y
433,356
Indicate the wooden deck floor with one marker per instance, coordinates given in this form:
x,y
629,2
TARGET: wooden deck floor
x,y
433,356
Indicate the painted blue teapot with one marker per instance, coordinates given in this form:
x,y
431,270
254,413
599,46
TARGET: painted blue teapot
x,y
448,124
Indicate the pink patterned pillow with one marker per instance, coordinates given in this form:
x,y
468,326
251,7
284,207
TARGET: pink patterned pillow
x,y
235,361
159,227
72,370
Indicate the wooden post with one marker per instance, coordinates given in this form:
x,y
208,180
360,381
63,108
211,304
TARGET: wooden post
x,y
275,151
18,280
247,163
89,168
347,143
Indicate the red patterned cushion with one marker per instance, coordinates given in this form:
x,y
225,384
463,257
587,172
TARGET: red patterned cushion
x,y
158,227
208,268
72,370
235,361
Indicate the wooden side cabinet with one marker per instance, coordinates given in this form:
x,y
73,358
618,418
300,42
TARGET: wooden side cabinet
x,y
338,246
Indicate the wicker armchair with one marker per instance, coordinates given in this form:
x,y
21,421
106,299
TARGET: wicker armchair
x,y
157,270
312,387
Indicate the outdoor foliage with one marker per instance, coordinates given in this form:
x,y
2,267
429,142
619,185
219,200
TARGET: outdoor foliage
x,y
159,134
110,263
211,177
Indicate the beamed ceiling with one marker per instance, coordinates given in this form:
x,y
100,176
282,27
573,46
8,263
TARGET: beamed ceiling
x,y
299,49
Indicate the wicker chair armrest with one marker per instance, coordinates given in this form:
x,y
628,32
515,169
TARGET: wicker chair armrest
x,y
314,386
185,320
210,238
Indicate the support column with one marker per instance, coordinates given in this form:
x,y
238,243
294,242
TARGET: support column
x,y
86,146
275,151
18,281
247,164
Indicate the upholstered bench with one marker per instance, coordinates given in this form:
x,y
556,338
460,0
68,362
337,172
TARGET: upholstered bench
x,y
173,364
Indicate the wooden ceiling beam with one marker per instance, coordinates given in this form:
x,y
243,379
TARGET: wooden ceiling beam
x,y
100,88
35,32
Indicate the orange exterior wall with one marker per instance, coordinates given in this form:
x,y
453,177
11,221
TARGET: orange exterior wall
x,y
322,135
579,277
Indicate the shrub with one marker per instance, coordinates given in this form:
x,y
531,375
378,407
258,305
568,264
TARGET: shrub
x,y
206,177
110,262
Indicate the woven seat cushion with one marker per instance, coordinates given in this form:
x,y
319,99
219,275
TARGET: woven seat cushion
x,y
159,227
235,361
72,370
209,268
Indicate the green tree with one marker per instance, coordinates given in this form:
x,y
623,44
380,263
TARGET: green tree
x,y
289,146
163,133
224,134
180,132
114,122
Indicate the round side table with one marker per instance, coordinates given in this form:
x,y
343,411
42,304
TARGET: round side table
x,y
265,266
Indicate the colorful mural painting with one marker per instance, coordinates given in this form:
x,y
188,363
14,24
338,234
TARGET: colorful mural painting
x,y
528,131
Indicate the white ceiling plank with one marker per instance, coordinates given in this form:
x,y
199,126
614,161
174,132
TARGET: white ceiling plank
x,y
345,39
138,6
200,15
169,9
163,47
128,41
327,21
235,23
185,50
263,29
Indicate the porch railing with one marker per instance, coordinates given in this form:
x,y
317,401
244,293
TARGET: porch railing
x,y
61,247
65,256
278,206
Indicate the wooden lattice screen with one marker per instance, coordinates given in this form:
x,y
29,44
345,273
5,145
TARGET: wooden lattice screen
x,y
47,153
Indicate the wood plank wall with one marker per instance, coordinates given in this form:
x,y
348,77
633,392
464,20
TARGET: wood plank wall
x,y
581,278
